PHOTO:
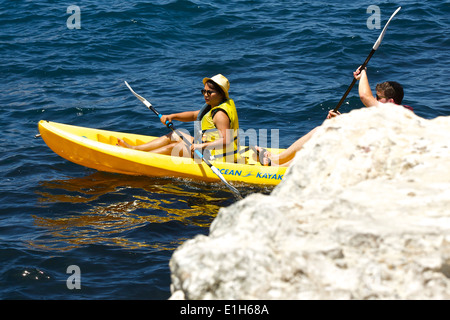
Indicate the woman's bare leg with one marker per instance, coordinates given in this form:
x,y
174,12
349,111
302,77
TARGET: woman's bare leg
x,y
152,145
176,149
170,144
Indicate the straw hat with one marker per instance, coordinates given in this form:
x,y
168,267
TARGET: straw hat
x,y
221,81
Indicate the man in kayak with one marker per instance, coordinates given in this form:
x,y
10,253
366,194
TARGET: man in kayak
x,y
219,126
387,92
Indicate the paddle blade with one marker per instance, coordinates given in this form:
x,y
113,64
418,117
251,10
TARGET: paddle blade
x,y
144,101
380,38
221,177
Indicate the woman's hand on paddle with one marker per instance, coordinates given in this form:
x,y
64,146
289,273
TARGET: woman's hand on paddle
x,y
165,118
196,146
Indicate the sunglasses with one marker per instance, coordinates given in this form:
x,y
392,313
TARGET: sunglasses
x,y
379,98
208,92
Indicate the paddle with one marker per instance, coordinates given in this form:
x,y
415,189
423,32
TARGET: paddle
x,y
375,47
188,143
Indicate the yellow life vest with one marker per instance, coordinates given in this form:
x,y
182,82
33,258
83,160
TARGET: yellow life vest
x,y
211,133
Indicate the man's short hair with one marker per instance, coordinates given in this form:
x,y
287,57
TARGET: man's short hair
x,y
391,90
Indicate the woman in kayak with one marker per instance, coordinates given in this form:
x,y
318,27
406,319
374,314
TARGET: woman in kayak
x,y
387,92
219,126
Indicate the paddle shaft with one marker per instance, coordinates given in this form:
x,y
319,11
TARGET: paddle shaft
x,y
363,66
188,143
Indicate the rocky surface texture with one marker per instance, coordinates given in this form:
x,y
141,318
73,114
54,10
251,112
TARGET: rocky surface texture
x,y
363,213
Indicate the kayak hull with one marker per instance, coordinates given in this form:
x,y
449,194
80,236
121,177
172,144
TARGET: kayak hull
x,y
97,149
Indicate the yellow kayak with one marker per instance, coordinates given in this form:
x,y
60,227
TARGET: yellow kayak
x,y
97,149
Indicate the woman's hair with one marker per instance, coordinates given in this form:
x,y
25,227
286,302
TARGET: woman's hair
x,y
217,88
391,90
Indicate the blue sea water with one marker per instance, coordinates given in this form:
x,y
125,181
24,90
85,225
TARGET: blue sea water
x,y
288,63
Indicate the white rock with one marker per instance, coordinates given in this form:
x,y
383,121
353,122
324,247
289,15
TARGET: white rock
x,y
363,213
